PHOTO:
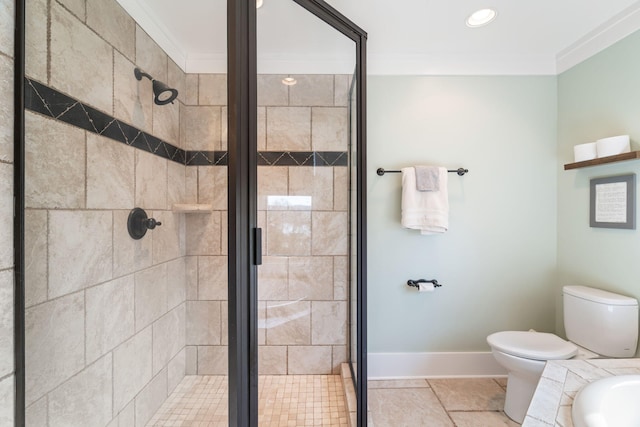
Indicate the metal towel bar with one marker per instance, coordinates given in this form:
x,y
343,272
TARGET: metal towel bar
x,y
459,171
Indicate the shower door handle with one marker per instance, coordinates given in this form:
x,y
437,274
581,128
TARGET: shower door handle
x,y
257,244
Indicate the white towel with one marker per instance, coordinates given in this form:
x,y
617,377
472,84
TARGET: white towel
x,y
427,211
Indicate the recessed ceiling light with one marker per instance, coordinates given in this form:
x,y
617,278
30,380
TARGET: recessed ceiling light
x,y
259,3
481,17
289,81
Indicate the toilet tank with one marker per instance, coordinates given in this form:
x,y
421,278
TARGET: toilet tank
x,y
601,321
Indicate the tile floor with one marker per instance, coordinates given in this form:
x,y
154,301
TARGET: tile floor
x,y
468,402
283,400
318,400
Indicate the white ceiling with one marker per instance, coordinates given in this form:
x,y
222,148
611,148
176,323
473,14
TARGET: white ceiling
x,y
404,36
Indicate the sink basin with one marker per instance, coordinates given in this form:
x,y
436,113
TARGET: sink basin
x,y
608,402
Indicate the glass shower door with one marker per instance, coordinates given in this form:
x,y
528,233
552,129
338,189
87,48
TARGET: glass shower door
x,y
306,169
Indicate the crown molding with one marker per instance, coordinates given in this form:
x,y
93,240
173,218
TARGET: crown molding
x,y
205,63
386,64
440,64
612,31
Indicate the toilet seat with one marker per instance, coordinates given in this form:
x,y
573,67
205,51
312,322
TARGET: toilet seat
x,y
532,345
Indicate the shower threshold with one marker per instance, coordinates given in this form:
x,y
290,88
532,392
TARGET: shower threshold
x,y
283,400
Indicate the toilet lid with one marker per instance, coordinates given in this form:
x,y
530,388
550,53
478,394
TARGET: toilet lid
x,y
532,345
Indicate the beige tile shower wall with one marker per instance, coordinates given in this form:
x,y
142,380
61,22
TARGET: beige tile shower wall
x,y
302,280
302,283
106,314
203,127
95,296
303,211
7,17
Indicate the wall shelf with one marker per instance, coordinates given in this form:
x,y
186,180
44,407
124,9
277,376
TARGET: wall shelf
x,y
192,208
604,160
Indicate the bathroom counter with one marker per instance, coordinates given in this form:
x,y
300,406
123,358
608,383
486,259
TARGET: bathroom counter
x,y
561,380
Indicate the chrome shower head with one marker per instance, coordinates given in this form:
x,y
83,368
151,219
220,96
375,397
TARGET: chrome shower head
x,y
163,94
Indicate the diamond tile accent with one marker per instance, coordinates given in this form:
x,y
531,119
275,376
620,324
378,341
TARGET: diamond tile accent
x,y
130,133
100,121
140,142
34,102
331,158
207,158
302,158
77,116
54,102
269,158
113,131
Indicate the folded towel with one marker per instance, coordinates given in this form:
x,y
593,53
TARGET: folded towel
x,y
427,178
427,211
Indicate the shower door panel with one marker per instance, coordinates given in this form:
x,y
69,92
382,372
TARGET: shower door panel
x,y
306,169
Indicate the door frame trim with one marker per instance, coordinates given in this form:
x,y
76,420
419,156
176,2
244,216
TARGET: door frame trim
x,y
18,214
242,214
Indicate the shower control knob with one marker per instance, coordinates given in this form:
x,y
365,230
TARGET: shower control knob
x,y
138,223
151,223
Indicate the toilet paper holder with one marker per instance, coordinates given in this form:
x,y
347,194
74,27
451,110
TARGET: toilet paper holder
x,y
414,283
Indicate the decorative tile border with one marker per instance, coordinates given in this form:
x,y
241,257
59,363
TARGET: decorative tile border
x,y
48,101
302,158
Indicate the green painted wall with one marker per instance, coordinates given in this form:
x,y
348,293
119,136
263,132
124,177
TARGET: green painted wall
x,y
597,98
497,263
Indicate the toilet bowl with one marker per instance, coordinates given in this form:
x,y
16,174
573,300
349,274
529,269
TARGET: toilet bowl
x,y
524,356
598,323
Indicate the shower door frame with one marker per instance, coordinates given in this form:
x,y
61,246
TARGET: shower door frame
x,y
18,214
244,241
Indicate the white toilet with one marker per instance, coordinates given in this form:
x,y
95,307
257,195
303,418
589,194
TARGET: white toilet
x,y
598,324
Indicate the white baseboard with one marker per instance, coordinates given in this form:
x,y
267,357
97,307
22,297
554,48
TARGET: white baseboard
x,y
432,365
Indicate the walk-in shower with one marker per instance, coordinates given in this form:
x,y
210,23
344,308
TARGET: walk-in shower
x,y
247,304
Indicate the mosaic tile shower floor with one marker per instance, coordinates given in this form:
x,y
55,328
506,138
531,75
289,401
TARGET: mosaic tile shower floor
x,y
283,400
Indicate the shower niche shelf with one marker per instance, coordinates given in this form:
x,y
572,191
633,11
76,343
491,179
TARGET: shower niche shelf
x,y
192,208
634,155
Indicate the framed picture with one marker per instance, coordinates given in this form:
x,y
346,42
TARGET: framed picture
x,y
613,202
